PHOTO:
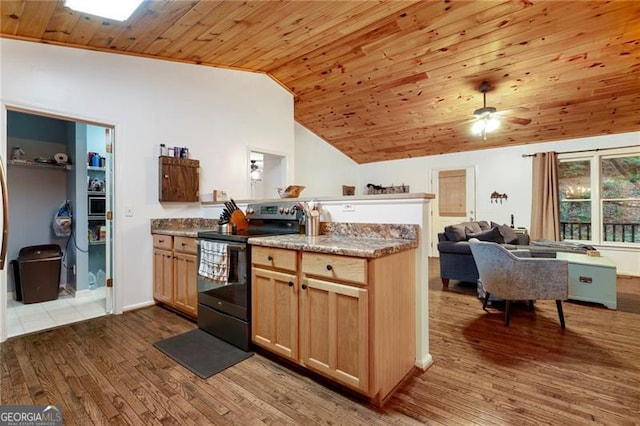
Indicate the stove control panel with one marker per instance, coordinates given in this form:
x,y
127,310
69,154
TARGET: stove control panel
x,y
283,210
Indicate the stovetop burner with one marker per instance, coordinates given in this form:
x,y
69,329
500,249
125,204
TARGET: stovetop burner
x,y
244,235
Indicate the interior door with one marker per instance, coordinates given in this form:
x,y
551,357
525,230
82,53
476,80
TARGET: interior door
x,y
455,191
108,252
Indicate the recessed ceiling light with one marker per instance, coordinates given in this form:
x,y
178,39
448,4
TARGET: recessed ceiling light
x,y
119,10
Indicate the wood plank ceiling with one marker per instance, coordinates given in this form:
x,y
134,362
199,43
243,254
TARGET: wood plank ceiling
x,y
383,80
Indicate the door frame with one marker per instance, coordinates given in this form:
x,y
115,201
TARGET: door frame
x,y
472,197
6,106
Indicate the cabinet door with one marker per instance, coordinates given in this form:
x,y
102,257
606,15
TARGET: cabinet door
x,y
334,335
274,311
163,276
186,283
178,180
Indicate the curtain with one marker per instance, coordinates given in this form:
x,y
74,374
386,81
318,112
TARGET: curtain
x,y
545,205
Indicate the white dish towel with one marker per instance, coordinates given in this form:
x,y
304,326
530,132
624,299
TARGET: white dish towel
x,y
214,261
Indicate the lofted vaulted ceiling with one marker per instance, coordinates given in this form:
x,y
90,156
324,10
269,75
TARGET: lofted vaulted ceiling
x,y
383,80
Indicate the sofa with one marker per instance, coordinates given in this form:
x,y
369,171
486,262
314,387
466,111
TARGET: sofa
x,y
456,259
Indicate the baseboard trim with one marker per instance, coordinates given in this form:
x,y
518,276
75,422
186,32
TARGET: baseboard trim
x,y
425,362
138,306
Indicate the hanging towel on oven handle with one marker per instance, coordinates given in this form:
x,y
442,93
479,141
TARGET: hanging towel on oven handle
x,y
214,261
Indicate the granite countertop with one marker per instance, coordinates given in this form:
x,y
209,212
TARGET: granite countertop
x,y
336,244
182,227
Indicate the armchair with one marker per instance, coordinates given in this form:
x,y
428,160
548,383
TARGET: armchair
x,y
515,278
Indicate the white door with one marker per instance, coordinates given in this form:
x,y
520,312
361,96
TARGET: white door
x,y
108,252
455,202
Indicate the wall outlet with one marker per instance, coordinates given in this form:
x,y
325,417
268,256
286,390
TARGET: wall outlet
x,y
348,208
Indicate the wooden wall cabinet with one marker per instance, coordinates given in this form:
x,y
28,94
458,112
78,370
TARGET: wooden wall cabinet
x,y
175,277
347,318
179,179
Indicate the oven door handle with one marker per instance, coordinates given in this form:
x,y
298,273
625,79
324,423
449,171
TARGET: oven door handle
x,y
239,247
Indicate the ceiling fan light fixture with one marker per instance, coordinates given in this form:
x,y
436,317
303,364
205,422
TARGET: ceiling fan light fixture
x,y
118,10
485,124
486,117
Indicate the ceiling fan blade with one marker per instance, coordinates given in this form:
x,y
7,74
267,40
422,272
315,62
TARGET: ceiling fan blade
x,y
517,120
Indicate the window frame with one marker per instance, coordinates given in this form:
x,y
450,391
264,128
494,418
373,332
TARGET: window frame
x,y
595,158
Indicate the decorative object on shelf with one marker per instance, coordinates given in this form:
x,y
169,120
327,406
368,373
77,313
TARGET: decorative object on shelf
x,y
496,196
219,195
348,190
379,189
17,154
291,191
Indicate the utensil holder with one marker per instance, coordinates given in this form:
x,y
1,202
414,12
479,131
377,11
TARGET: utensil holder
x,y
312,226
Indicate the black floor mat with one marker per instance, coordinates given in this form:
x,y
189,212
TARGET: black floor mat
x,y
202,353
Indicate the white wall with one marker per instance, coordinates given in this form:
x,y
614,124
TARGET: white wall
x,y
217,113
502,169
320,167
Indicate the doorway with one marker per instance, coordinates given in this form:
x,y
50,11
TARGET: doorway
x,y
50,173
455,191
267,173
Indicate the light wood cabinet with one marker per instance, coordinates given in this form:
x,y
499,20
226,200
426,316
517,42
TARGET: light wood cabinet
x,y
185,266
176,273
350,319
163,276
334,334
178,179
275,312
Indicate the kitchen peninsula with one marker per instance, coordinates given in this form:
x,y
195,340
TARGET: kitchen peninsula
x,y
400,209
339,305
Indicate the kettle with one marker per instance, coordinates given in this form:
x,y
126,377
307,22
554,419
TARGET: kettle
x,y
17,153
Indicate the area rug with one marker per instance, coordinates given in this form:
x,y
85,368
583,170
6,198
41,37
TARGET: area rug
x,y
201,353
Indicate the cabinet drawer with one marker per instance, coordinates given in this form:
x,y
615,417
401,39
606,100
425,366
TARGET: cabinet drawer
x,y
274,258
185,245
334,267
164,242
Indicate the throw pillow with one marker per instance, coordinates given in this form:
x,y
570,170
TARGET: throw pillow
x,y
507,233
484,225
472,226
455,233
492,235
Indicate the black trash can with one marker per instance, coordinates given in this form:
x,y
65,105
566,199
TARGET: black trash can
x,y
37,273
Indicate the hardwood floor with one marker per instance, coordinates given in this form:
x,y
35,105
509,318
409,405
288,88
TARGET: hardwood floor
x,y
106,371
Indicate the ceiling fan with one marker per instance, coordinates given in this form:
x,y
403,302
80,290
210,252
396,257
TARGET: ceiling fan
x,y
487,119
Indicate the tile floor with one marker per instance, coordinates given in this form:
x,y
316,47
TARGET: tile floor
x,y
23,319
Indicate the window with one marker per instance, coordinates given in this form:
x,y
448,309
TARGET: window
x,y
600,197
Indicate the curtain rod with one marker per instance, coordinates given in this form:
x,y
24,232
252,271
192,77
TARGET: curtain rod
x,y
586,150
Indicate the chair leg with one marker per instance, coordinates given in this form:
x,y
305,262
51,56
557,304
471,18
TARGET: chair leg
x,y
507,309
486,300
445,282
530,305
560,313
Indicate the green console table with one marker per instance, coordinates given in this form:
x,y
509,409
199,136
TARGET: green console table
x,y
591,279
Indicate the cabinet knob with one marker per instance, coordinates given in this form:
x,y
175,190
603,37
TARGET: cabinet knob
x,y
270,259
290,283
304,286
329,267
166,176
161,241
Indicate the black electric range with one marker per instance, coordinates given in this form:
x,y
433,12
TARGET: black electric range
x,y
224,306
